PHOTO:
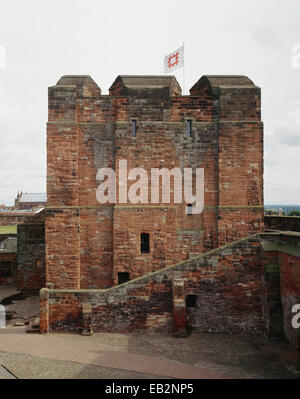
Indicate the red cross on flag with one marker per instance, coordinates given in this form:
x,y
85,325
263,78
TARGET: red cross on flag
x,y
174,60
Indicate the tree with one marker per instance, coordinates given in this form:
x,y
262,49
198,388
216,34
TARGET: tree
x,y
294,213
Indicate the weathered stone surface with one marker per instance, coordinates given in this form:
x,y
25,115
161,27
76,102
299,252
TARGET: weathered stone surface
x,y
284,223
229,296
89,244
248,286
30,274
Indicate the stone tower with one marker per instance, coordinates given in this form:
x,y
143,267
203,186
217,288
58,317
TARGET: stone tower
x,y
146,121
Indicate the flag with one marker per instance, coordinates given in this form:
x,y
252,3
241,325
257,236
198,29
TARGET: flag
x,y
174,60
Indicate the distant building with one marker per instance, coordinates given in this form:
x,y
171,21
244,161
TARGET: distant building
x,y
30,200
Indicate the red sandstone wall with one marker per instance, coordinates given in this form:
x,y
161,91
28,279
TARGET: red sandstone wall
x,y
30,275
4,257
290,294
78,230
31,205
9,219
240,211
284,223
86,245
250,285
280,260
62,248
96,246
272,307
227,282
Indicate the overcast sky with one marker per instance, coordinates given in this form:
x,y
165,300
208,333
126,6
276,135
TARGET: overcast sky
x,y
45,39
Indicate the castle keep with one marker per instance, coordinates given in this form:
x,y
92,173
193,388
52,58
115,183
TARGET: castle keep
x,y
125,266
148,122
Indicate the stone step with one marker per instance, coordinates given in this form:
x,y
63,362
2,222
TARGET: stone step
x,y
34,326
31,330
36,323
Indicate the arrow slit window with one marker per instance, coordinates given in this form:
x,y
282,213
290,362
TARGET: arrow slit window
x,y
189,128
145,243
133,128
189,209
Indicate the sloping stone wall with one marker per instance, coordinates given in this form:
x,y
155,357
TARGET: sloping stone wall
x,y
247,286
226,281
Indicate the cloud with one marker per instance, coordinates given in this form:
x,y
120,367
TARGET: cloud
x,y
289,132
45,40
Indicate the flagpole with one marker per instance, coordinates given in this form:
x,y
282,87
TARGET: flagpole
x,y
183,72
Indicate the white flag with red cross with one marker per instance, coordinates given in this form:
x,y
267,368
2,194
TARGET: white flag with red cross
x,y
174,60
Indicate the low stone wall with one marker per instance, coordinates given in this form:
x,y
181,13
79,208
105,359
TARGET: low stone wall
x,y
283,223
281,264
10,219
290,293
222,290
248,286
9,257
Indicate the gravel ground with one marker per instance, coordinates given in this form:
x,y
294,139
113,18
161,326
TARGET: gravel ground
x,y
26,310
242,356
7,290
21,310
29,367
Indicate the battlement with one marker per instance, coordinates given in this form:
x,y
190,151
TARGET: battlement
x,y
155,98
145,86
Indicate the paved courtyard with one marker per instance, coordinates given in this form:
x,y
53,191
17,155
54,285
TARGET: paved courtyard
x,y
136,355
144,355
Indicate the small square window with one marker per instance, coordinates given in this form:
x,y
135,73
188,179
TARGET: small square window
x,y
123,277
191,301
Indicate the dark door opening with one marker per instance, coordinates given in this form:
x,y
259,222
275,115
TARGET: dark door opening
x,y
191,311
123,277
6,271
145,243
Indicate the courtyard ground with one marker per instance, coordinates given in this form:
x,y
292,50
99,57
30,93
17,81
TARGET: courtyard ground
x,y
19,310
140,355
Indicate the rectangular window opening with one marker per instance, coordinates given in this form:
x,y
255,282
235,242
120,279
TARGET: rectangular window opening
x,y
189,128
6,269
145,243
123,277
191,301
189,209
133,127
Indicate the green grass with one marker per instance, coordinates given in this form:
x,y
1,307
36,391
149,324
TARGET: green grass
x,y
8,229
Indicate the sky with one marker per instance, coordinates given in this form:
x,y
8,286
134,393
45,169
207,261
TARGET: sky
x,y
42,40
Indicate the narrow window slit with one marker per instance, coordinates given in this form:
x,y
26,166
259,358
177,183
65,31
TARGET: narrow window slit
x,y
133,125
189,209
189,128
145,243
